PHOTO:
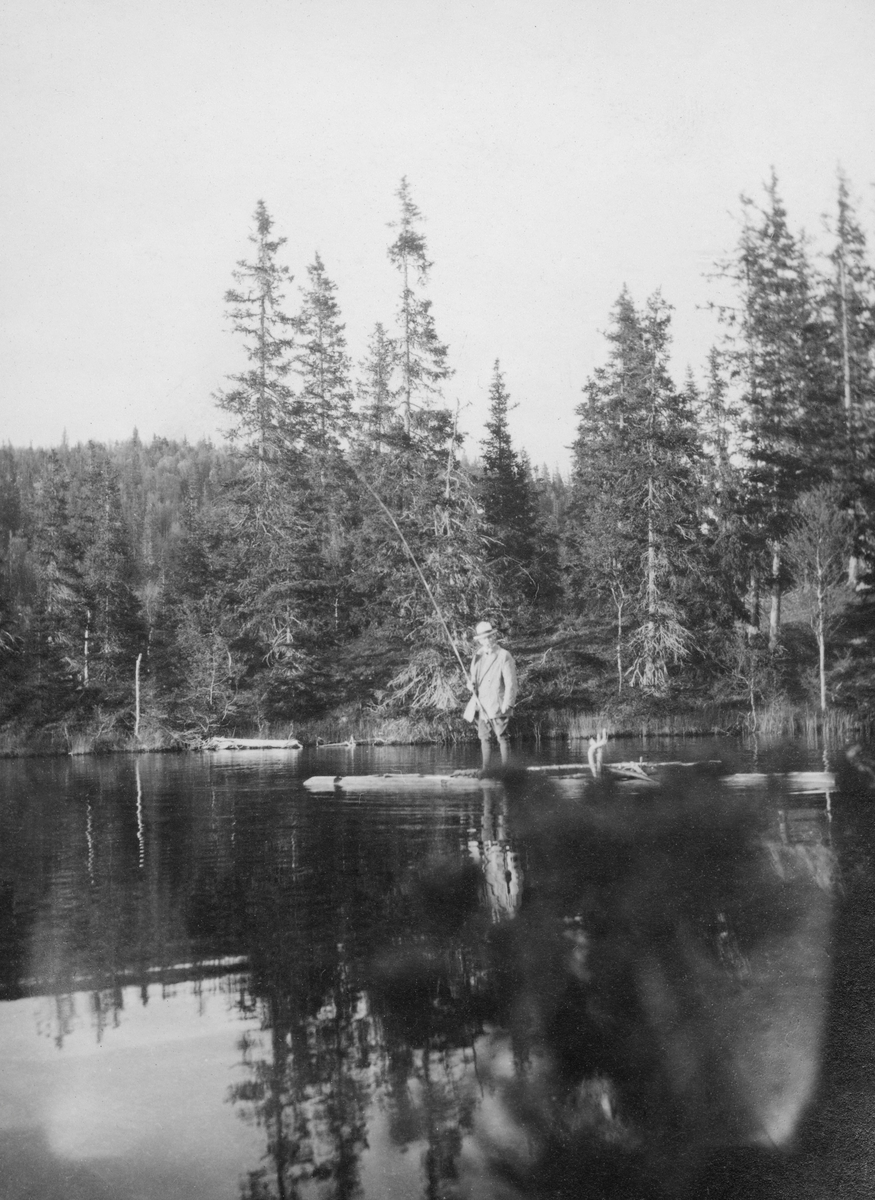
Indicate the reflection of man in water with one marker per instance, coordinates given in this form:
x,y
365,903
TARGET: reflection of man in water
x,y
498,860
493,680
656,1001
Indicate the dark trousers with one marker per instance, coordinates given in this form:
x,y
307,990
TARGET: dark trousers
x,y
485,729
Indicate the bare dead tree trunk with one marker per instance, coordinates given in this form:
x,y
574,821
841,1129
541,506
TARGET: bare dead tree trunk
x,y
846,351
775,608
651,668
820,634
85,647
754,618
619,603
137,696
408,386
450,454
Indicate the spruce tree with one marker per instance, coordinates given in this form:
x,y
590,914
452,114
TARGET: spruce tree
x,y
850,294
264,409
775,348
114,632
520,546
276,510
319,484
432,498
58,554
424,487
719,418
500,460
849,301
443,526
601,551
10,525
10,498
633,532
323,365
54,644
377,414
421,356
200,658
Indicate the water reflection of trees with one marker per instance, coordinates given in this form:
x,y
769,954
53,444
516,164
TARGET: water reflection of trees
x,y
611,1018
369,976
102,892
307,1071
659,997
522,992
308,1089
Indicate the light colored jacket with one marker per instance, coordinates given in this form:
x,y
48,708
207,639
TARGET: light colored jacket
x,y
493,673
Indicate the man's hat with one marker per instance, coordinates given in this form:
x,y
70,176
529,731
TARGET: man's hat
x,y
483,629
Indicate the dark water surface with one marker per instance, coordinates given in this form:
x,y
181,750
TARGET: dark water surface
x,y
215,984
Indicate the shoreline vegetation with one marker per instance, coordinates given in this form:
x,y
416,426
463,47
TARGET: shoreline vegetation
x,y
777,721
706,567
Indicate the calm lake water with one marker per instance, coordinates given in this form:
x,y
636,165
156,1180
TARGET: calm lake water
x,y
215,984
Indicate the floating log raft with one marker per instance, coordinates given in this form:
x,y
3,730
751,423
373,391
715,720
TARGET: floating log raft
x,y
222,743
465,781
624,772
470,779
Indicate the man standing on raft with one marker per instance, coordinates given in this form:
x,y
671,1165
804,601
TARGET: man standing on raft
x,y
493,680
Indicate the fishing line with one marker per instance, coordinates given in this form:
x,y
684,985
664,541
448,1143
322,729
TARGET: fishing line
x,y
419,572
468,677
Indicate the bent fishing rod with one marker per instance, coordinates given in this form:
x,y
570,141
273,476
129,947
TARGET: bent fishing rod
x,y
428,591
412,557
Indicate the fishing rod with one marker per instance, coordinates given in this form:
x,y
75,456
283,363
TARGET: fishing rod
x,y
412,557
440,616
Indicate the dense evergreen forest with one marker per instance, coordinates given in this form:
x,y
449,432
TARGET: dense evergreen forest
x,y
712,547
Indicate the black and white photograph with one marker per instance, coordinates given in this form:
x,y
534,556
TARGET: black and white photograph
x,y
437,600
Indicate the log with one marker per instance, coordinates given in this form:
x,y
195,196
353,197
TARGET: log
x,y
218,743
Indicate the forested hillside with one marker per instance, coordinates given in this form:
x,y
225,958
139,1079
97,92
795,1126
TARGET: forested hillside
x,y
714,543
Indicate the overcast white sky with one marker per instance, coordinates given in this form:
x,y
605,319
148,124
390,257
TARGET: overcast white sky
x,y
557,148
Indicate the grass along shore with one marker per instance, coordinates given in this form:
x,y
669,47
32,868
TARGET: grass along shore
x,y
103,735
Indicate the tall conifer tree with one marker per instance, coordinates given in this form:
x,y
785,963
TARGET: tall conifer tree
x,y
274,568
325,496
634,518
54,644
262,401
114,632
322,362
422,357
719,419
377,397
202,657
424,487
776,352
849,297
520,546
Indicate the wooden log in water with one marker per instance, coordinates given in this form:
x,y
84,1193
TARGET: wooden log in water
x,y
220,743
467,782
622,772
